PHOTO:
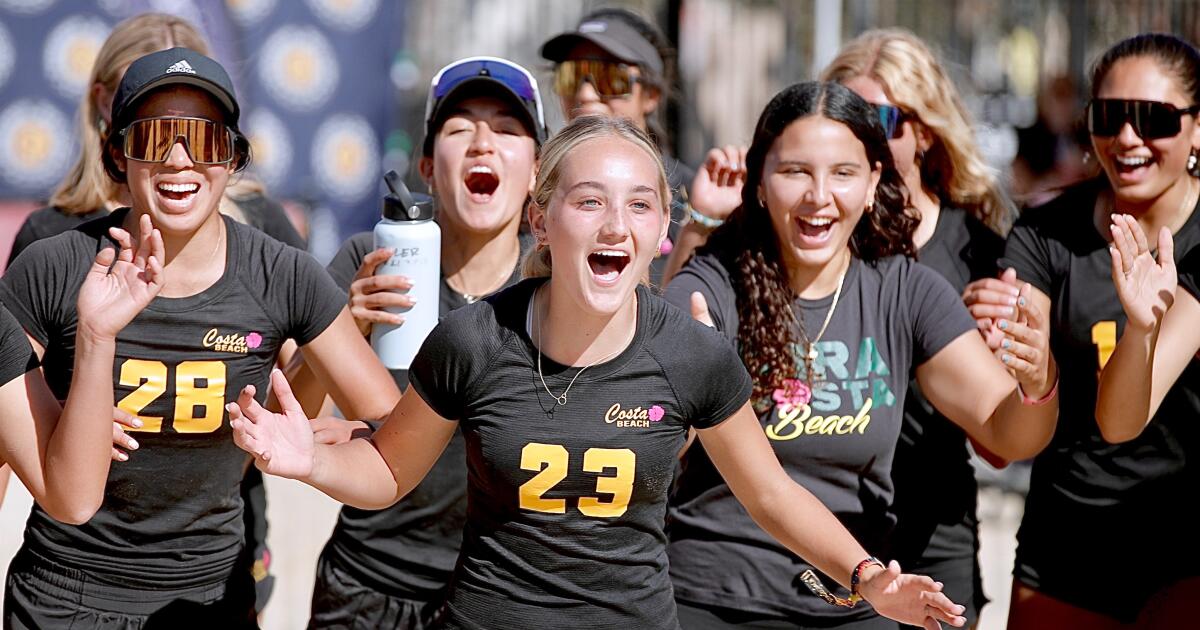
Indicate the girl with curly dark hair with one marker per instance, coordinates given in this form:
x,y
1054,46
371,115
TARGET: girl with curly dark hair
x,y
812,280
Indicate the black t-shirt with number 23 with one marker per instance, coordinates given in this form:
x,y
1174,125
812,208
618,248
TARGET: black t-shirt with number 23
x,y
565,504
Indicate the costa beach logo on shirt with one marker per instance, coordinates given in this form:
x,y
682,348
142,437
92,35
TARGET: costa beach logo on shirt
x,y
639,417
801,411
233,342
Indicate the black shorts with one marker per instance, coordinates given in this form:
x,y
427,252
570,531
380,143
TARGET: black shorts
x,y
962,580
1107,560
342,601
40,593
696,617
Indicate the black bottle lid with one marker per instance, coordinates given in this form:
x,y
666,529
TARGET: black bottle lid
x,y
400,205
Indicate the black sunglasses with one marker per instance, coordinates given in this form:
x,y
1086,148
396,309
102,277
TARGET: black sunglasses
x,y
892,119
1151,120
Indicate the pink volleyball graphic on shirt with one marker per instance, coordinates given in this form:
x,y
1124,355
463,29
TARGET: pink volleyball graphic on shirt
x,y
253,340
656,413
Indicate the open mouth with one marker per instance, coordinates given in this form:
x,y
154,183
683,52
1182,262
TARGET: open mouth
x,y
607,265
481,182
1131,165
815,228
177,192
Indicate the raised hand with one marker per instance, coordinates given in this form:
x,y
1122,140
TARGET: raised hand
x,y
120,284
912,599
992,299
1025,348
281,443
1146,286
716,190
371,294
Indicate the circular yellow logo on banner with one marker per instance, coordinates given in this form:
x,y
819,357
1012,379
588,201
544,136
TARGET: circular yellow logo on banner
x,y
69,52
347,15
270,146
298,67
345,157
35,145
249,12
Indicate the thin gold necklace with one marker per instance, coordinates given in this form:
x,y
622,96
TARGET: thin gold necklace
x,y
810,352
562,399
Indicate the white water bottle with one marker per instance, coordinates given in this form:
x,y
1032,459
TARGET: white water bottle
x,y
408,229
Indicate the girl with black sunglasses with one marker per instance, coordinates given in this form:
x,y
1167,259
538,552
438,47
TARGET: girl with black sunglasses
x,y
167,547
1082,557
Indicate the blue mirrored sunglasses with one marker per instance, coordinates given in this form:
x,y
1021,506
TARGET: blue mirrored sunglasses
x,y
892,119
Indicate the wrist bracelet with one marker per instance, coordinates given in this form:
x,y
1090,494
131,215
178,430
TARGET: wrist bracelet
x,y
705,221
809,578
1037,402
856,577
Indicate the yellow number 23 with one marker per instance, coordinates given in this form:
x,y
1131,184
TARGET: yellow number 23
x,y
550,462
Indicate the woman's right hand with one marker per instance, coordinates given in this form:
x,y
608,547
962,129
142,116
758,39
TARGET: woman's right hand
x,y
282,443
121,283
717,188
370,294
1145,286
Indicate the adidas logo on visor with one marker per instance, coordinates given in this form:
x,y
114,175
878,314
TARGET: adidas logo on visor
x,y
181,66
593,27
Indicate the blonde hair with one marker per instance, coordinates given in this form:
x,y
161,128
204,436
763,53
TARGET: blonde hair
x,y
537,263
87,187
953,167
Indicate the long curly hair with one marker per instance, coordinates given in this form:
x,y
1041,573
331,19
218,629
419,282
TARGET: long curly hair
x,y
750,248
953,168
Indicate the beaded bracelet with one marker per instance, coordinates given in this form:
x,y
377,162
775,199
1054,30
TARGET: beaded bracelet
x,y
706,221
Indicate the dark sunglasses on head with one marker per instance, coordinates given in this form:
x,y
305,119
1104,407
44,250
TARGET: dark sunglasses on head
x,y
892,119
609,79
206,141
1150,119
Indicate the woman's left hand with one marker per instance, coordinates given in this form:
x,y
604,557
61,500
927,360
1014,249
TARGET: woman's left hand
x,y
912,599
1025,350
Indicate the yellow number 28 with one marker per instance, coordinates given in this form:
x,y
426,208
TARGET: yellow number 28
x,y
550,462
199,393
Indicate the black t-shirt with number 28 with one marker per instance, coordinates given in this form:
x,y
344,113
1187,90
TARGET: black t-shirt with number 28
x,y
172,514
566,504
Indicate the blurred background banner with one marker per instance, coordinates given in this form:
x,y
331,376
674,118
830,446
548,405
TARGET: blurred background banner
x,y
333,90
312,76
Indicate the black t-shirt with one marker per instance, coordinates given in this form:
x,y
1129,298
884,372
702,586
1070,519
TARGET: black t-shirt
x,y
565,504
409,549
931,527
16,355
1058,249
891,316
261,212
172,516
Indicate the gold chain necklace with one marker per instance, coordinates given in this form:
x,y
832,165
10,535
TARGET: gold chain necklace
x,y
810,351
562,399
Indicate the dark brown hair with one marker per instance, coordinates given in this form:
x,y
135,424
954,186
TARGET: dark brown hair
x,y
749,247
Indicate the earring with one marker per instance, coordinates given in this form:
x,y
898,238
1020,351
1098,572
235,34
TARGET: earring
x,y
1191,163
870,206
1087,158
102,127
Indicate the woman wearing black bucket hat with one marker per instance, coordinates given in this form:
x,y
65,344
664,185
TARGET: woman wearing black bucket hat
x,y
166,548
